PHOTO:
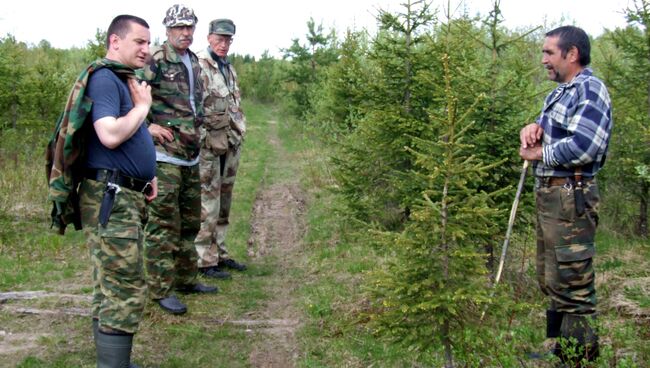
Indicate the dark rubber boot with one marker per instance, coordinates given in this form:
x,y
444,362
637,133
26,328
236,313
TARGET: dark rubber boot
x,y
95,328
553,323
114,351
578,340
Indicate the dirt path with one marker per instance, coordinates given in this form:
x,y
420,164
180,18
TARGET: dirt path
x,y
277,232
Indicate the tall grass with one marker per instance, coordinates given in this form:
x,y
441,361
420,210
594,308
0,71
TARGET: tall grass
x,y
23,186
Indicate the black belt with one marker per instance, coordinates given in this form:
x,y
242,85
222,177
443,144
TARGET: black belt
x,y
124,181
556,181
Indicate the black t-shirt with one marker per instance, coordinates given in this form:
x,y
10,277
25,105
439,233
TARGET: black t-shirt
x,y
136,157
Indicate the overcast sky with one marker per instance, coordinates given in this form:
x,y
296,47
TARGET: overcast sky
x,y
272,24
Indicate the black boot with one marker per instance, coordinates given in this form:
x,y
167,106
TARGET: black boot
x,y
214,272
578,340
114,350
232,264
95,328
553,323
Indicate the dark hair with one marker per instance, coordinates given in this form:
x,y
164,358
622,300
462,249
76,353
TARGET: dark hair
x,y
569,36
121,25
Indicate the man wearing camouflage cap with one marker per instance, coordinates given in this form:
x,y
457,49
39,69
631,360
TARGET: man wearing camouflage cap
x,y
222,134
174,218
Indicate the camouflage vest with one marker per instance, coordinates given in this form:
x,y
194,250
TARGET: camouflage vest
x,y
65,150
221,94
170,90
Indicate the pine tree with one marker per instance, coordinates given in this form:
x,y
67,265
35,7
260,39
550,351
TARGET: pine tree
x,y
371,161
430,290
306,64
626,72
504,69
338,103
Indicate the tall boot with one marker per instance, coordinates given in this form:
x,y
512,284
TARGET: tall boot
x,y
579,341
553,323
114,350
95,329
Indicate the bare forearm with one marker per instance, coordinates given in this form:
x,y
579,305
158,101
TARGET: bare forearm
x,y
112,132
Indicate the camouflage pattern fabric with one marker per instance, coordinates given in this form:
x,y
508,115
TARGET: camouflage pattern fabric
x,y
222,26
224,124
217,181
174,220
221,94
179,15
565,247
171,108
116,251
66,147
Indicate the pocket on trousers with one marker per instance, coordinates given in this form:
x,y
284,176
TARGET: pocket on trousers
x,y
119,232
574,252
567,210
120,250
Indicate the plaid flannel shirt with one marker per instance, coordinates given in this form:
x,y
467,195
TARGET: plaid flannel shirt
x,y
577,121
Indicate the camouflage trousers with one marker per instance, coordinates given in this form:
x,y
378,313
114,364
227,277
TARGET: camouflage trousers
x,y
174,220
217,181
116,251
565,247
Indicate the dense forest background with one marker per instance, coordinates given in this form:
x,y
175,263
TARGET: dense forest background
x,y
419,127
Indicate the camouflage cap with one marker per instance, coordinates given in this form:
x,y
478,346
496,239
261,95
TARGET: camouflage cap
x,y
179,15
222,27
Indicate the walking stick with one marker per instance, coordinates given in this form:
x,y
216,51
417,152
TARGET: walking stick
x,y
511,221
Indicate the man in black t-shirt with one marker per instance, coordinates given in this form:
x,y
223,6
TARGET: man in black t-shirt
x,y
120,169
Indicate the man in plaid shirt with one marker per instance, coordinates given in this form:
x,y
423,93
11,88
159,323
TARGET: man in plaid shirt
x,y
568,145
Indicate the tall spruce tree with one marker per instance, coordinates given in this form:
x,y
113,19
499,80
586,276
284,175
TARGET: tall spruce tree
x,y
626,71
371,161
429,292
504,68
337,104
306,64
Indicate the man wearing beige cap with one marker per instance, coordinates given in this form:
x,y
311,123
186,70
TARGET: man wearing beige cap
x,y
222,134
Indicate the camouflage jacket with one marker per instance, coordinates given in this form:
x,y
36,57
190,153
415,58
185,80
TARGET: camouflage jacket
x,y
170,90
221,95
66,148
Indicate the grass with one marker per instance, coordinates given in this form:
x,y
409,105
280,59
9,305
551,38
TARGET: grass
x,y
337,333
32,257
330,276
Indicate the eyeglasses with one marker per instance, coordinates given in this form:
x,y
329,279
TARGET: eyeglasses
x,y
223,40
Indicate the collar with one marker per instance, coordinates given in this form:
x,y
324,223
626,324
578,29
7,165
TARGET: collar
x,y
117,68
171,55
582,75
215,57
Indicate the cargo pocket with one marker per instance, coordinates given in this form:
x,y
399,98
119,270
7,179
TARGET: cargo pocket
x,y
120,248
574,252
575,265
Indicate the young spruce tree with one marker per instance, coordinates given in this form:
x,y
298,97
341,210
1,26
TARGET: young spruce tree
x,y
371,161
626,72
430,293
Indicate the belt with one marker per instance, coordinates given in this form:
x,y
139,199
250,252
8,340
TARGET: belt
x,y
124,181
557,181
